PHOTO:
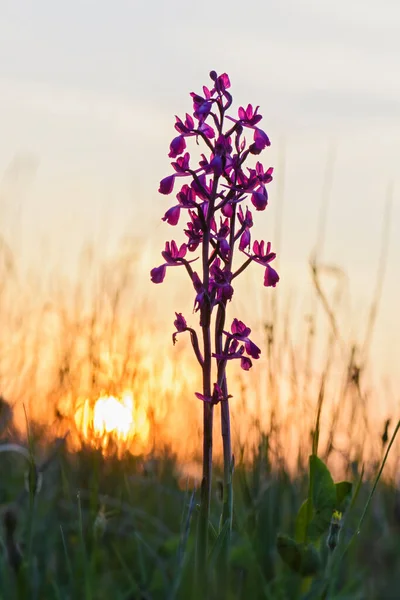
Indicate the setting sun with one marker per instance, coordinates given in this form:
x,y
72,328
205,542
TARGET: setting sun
x,y
113,418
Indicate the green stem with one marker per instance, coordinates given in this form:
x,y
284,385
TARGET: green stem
x,y
225,431
227,506
208,409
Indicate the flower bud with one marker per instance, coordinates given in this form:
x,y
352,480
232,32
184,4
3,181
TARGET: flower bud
x,y
334,530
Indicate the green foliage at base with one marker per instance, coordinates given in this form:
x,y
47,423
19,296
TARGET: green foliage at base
x,y
106,528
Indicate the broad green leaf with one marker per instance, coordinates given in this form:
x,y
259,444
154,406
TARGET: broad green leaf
x,y
311,561
319,524
289,551
323,497
301,558
343,495
323,488
301,523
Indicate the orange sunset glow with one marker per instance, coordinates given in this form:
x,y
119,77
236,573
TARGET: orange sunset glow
x,y
112,418
107,371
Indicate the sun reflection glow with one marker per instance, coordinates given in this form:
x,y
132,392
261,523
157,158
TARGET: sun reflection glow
x,y
112,418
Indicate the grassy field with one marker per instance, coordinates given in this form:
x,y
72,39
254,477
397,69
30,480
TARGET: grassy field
x,y
107,528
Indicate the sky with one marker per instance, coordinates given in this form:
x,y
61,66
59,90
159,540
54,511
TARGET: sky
x,y
88,94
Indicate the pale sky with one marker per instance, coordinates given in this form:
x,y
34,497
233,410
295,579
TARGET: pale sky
x,y
88,94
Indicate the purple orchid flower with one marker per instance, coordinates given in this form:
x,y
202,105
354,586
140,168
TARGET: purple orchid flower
x,y
241,333
237,342
200,296
221,236
233,351
261,141
246,222
172,254
249,116
259,198
201,106
220,186
180,326
220,283
263,256
181,165
180,323
173,257
194,231
187,199
217,396
178,145
185,128
167,185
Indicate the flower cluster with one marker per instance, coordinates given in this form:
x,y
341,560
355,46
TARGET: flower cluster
x,y
237,342
216,199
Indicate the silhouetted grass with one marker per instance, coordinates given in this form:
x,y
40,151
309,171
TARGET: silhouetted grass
x,y
124,528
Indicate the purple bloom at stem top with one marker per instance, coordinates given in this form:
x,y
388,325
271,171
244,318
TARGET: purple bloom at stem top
x,y
215,201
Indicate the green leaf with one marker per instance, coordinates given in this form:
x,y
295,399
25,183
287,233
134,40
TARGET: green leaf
x,y
242,557
323,497
343,495
301,523
311,561
301,558
324,491
289,551
169,547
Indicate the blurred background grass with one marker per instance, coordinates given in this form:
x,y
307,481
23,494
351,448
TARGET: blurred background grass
x,y
124,528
